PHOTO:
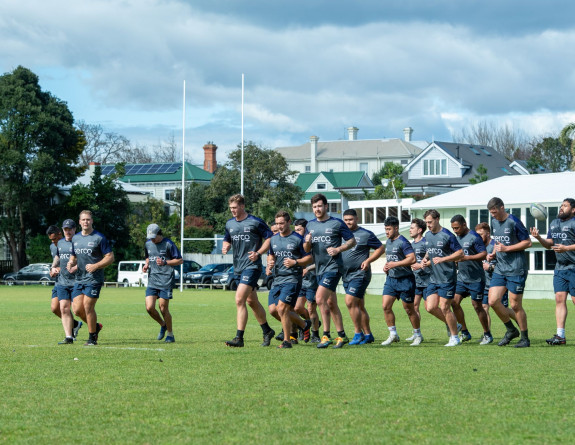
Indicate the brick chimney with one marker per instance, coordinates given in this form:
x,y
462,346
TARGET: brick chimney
x,y
92,167
210,163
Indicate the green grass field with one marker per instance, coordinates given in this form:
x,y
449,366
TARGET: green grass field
x,y
134,389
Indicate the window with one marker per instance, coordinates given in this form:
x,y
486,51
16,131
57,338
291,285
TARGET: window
x,y
542,260
381,213
333,207
363,166
169,194
405,216
359,215
368,215
434,167
308,168
477,216
321,186
392,211
404,162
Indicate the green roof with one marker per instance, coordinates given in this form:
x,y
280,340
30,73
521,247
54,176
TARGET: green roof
x,y
192,173
337,179
328,195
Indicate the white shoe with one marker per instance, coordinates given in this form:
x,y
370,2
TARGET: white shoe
x,y
453,341
486,339
393,338
417,340
411,338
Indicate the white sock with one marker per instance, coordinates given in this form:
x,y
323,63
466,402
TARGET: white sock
x,y
417,331
169,334
392,330
561,332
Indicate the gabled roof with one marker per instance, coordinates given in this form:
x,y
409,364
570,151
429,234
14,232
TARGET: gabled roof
x,y
547,188
469,157
357,149
338,180
192,173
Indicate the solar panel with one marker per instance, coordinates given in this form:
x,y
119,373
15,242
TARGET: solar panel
x,y
144,169
108,169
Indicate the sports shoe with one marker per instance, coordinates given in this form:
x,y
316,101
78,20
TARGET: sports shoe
x,y
67,341
357,339
368,339
393,338
268,337
509,335
170,339
293,340
464,337
339,342
556,340
237,342
306,331
91,342
345,339
99,327
523,343
284,345
315,339
453,341
76,329
417,340
280,336
300,335
163,330
325,342
486,339
411,338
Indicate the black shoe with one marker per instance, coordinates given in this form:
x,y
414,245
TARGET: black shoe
x,y
284,345
280,336
306,331
91,342
556,340
315,339
293,340
268,337
523,343
509,335
67,341
237,342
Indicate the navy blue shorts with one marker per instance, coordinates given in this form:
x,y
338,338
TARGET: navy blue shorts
x,y
421,290
90,290
64,292
403,287
356,287
504,298
249,277
444,290
165,294
286,292
55,291
329,280
514,283
474,290
308,293
564,281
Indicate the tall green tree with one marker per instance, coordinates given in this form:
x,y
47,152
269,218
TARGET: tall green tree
x,y
39,147
552,153
392,172
567,137
480,176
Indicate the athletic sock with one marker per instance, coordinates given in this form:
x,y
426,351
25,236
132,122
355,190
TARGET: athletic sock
x,y
326,334
265,327
465,331
92,336
76,323
341,334
240,334
417,331
488,333
392,330
169,334
525,335
510,326
561,332
315,333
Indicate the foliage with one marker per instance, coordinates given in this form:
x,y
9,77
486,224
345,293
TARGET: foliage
x,y
38,249
110,208
268,187
552,154
39,147
567,137
392,172
206,382
141,215
480,176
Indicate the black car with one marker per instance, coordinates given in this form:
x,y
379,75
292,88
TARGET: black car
x,y
33,272
225,278
204,275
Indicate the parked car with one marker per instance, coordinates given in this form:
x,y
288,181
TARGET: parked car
x,y
267,280
190,266
130,273
204,275
33,272
225,278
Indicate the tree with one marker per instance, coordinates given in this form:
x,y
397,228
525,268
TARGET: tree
x,y
141,215
101,146
567,137
552,154
268,187
39,147
392,172
480,176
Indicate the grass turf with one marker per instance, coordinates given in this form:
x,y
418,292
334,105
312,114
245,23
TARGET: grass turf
x,y
132,388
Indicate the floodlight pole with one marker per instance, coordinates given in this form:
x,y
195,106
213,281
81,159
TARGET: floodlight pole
x,y
242,162
183,187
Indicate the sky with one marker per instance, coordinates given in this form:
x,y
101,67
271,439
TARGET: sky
x,y
310,67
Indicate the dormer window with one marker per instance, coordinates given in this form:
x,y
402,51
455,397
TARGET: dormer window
x,y
435,167
321,186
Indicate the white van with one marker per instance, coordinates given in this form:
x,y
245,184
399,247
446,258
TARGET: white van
x,y
130,273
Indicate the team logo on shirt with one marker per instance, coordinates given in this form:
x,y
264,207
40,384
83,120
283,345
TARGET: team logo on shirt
x,y
439,243
247,229
291,246
91,244
231,230
328,230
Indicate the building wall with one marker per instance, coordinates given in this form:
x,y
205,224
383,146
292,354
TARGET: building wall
x,y
453,169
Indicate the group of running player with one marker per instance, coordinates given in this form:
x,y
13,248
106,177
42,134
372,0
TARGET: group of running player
x,y
487,264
